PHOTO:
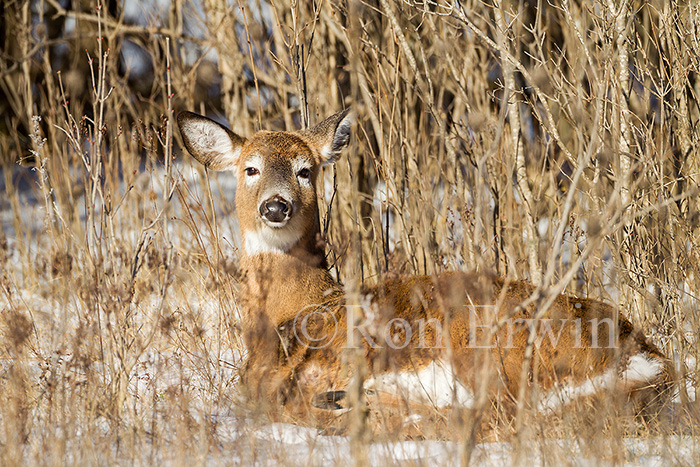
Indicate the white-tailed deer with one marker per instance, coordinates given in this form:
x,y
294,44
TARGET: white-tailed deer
x,y
429,341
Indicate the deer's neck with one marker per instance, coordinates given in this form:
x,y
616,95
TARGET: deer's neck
x,y
284,283
305,244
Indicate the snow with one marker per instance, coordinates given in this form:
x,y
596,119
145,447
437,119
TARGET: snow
x,y
205,373
292,444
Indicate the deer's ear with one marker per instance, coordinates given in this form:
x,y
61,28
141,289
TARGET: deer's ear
x,y
331,136
210,143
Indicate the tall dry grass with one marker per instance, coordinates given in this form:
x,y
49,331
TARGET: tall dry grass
x,y
555,143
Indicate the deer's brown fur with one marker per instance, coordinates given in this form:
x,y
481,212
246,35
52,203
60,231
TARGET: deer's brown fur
x,y
286,280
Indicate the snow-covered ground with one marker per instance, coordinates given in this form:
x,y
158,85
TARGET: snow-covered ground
x,y
290,444
238,439
333,450
205,373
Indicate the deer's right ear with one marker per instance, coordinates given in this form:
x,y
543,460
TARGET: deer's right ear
x,y
210,143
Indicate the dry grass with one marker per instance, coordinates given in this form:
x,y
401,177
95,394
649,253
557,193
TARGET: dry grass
x,y
119,255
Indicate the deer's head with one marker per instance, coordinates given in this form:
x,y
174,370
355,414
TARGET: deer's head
x,y
276,172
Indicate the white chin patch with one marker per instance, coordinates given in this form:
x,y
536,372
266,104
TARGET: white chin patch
x,y
270,240
275,225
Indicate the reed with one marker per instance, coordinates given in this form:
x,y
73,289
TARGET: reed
x,y
551,143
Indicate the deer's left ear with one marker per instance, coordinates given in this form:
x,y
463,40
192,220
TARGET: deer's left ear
x,y
331,136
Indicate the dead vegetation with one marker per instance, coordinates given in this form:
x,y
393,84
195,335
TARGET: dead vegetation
x,y
119,257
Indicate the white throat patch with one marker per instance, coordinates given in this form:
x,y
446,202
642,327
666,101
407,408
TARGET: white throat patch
x,y
270,240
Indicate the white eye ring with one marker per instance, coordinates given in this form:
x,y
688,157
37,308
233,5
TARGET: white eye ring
x,y
304,174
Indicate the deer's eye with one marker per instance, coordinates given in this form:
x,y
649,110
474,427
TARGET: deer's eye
x,y
304,173
251,171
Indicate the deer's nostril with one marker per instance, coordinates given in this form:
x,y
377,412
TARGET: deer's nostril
x,y
275,209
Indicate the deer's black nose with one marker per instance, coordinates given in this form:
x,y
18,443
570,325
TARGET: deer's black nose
x,y
276,209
